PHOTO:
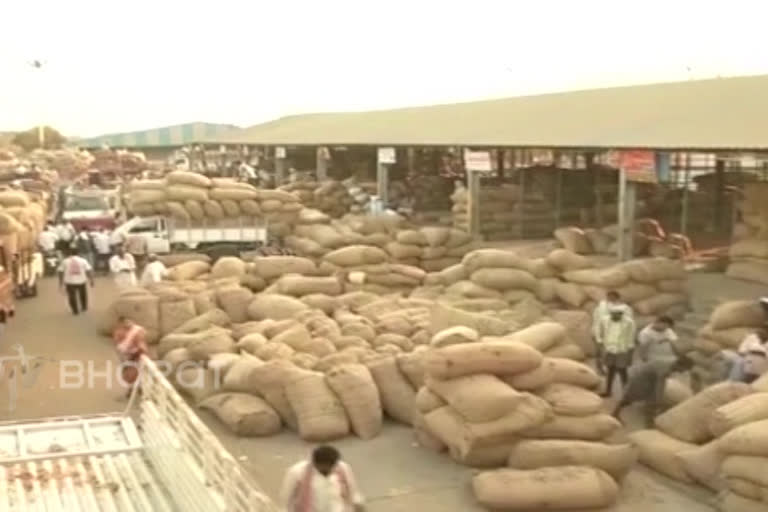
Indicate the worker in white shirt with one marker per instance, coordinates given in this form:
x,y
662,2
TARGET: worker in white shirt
x,y
103,249
74,274
154,271
116,239
601,312
322,484
752,359
47,240
65,232
123,268
656,341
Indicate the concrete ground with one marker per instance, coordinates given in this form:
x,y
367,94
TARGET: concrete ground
x,y
394,472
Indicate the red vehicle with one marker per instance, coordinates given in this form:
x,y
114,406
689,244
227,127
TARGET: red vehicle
x,y
92,209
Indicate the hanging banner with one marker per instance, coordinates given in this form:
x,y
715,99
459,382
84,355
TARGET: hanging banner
x,y
387,156
639,165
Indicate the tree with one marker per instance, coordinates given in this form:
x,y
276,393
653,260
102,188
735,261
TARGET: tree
x,y
30,139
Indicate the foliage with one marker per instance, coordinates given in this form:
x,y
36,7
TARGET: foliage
x,y
29,139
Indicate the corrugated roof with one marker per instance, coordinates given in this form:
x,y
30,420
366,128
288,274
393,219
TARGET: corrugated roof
x,y
723,113
167,136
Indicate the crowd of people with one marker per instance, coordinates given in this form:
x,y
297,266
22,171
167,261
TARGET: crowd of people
x,y
643,360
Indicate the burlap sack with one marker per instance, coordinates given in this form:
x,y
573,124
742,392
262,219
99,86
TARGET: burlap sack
x,y
213,209
245,415
211,318
574,240
569,400
355,387
142,308
188,270
477,398
187,178
233,194
748,439
733,502
326,236
213,341
556,488
427,401
745,467
753,271
566,260
174,313
504,279
470,289
702,464
454,336
660,452
276,307
235,300
228,266
298,285
571,294
492,258
272,267
181,193
453,274
747,409
411,365
614,459
397,395
541,336
689,421
443,317
595,427
319,413
496,358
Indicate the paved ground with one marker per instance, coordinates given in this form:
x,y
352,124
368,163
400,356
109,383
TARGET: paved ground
x,y
395,473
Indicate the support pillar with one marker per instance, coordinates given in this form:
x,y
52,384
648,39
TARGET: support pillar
x,y
280,155
322,163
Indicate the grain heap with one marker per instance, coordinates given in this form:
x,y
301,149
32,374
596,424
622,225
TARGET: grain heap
x,y
189,196
492,402
70,163
330,197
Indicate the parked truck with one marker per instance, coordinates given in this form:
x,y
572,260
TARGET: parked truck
x,y
157,456
91,209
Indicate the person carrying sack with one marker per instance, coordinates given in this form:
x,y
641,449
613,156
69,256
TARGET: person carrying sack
x,y
322,484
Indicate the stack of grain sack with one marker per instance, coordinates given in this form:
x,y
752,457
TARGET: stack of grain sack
x,y
749,252
330,197
494,402
649,240
189,196
716,439
728,325
22,218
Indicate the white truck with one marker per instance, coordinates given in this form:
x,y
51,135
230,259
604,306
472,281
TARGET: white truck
x,y
156,456
165,234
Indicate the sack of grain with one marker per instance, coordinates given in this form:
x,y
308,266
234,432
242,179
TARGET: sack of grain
x,y
235,300
427,401
228,266
197,382
276,307
541,336
233,194
326,236
733,502
702,464
144,309
614,459
477,398
741,313
595,427
298,285
659,303
188,270
689,421
569,400
244,415
754,271
214,341
239,371
745,467
660,452
492,258
174,313
270,380
747,409
453,274
397,395
187,178
748,439
319,413
272,267
504,279
454,336
557,488
355,387
676,392
571,294
566,260
181,193
411,365
497,358
443,316
537,378
574,240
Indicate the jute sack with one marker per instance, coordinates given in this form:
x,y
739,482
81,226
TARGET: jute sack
x,y
702,463
565,260
492,258
238,376
454,336
746,467
319,413
326,236
753,271
144,309
355,387
298,285
747,409
398,397
614,459
747,489
676,392
228,266
574,239
181,193
595,427
546,289
213,341
477,398
411,365
472,290
245,415
274,306
557,488
660,452
659,303
427,401
188,270
233,195
272,267
485,456
741,313
356,255
270,380
567,371
187,178
235,300
504,279
571,294
453,274
175,358
463,437
174,313
751,248
535,379
541,336
173,341
569,400
197,382
443,317
689,421
732,502
423,436
612,277
496,358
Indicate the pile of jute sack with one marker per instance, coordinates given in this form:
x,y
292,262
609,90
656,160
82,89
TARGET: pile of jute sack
x,y
22,218
649,239
717,439
330,197
749,252
189,196
728,325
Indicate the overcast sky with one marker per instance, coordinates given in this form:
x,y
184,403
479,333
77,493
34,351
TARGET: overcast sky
x,y
118,66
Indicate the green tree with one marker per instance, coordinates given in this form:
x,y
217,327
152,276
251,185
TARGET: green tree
x,y
30,139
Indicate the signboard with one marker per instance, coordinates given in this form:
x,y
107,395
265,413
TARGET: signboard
x,y
479,161
639,165
387,155
279,152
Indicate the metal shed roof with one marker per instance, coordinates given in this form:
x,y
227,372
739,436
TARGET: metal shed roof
x,y
167,136
722,113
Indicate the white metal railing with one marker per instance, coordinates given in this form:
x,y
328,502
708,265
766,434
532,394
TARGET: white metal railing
x,y
199,472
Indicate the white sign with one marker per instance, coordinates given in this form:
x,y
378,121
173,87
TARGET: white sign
x,y
478,161
279,152
387,156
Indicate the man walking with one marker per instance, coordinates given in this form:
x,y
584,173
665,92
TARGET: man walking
x,y
322,484
123,269
615,338
74,274
648,384
612,300
656,341
154,271
102,248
